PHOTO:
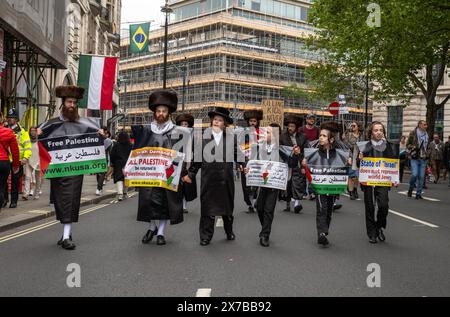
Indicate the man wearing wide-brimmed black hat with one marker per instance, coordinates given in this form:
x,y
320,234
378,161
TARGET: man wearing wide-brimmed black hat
x,y
157,203
296,184
186,120
217,179
66,191
253,118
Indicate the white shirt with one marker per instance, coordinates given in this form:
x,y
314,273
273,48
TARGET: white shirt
x,y
217,136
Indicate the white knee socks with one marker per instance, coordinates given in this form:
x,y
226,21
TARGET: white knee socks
x,y
152,225
162,226
67,230
119,188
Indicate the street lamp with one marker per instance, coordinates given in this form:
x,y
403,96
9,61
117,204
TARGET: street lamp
x,y
166,10
123,80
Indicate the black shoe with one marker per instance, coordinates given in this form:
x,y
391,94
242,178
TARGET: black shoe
x,y
337,206
231,236
419,196
381,236
149,236
185,211
13,205
352,196
355,193
264,241
250,210
287,209
298,208
312,197
409,193
160,240
204,242
372,239
322,239
61,240
68,245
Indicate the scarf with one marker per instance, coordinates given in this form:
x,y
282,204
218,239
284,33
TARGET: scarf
x,y
161,128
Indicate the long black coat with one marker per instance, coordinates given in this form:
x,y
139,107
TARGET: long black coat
x,y
157,203
66,191
118,157
217,178
297,183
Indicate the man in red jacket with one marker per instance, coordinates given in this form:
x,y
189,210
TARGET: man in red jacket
x,y
8,144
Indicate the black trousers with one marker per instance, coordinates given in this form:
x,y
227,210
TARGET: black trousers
x,y
380,195
100,179
5,168
265,205
248,191
15,183
207,224
324,206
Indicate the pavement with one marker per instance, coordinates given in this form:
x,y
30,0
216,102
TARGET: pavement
x,y
34,210
414,260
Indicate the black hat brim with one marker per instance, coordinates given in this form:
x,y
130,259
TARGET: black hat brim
x,y
228,119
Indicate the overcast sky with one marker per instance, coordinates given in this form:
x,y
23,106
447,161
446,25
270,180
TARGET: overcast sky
x,y
140,11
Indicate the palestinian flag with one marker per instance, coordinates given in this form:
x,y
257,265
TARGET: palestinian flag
x,y
97,75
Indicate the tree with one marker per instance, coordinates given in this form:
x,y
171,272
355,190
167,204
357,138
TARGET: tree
x,y
404,55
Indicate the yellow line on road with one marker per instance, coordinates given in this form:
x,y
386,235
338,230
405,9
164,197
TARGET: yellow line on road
x,y
45,225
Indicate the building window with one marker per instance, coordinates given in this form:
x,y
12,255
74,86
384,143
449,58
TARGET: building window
x,y
256,5
395,122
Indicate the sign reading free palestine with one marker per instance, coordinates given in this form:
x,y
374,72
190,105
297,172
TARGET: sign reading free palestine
x,y
73,155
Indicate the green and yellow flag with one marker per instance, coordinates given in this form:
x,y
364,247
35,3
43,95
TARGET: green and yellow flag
x,y
139,40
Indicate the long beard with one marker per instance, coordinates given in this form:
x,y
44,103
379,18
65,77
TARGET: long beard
x,y
70,114
161,119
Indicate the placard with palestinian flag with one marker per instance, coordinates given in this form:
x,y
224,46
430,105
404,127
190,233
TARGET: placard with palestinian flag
x,y
327,176
154,167
268,174
73,155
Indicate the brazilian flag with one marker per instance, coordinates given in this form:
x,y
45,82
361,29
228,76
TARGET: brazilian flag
x,y
139,40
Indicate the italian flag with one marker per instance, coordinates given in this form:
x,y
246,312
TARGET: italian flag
x,y
96,75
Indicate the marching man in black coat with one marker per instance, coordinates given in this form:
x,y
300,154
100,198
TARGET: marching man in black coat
x,y
217,180
296,184
67,190
157,203
253,118
185,120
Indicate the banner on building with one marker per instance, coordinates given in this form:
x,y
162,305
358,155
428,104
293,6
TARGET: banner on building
x,y
154,167
97,75
268,174
74,155
139,38
330,177
273,112
379,171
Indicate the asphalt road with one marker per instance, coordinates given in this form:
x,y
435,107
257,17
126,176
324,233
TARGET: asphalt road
x,y
414,261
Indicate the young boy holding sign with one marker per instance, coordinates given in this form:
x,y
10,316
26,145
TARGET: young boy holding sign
x,y
377,155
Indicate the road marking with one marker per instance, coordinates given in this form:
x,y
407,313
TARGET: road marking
x,y
349,196
219,222
203,292
426,198
413,219
44,225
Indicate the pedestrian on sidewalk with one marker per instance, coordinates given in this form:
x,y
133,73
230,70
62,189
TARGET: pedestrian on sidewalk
x,y
296,187
119,156
436,156
66,191
189,191
156,203
378,146
102,176
217,182
447,160
8,144
417,146
326,155
33,180
351,138
23,140
267,197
